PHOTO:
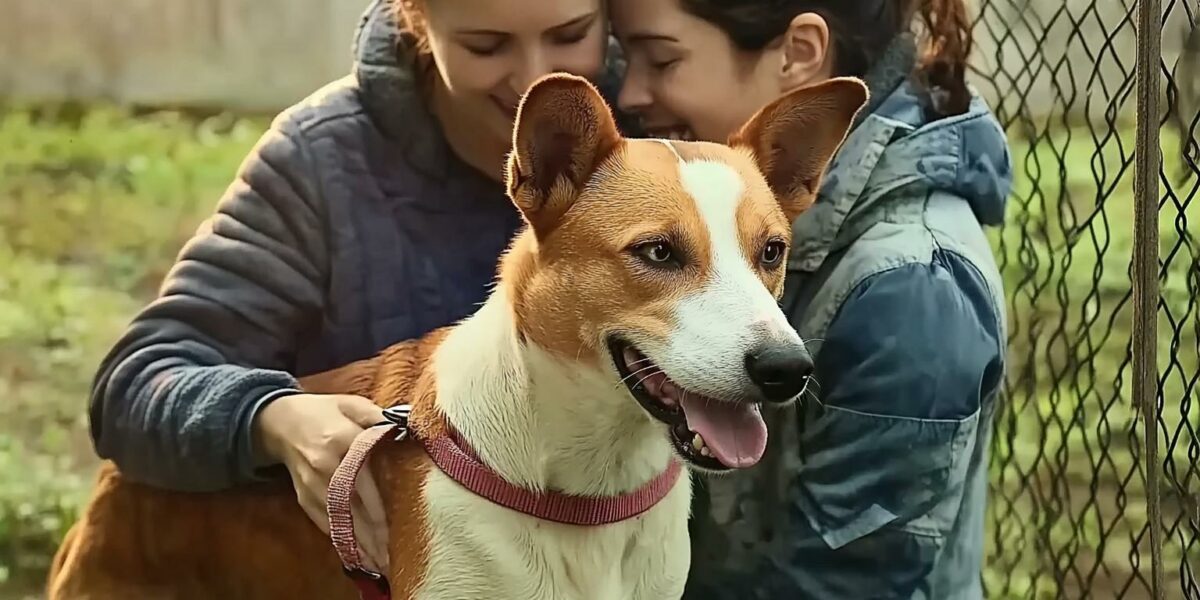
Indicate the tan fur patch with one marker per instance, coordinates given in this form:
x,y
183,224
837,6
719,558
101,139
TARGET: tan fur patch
x,y
794,137
587,257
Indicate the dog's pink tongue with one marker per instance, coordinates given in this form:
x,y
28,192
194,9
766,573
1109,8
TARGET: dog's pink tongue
x,y
735,433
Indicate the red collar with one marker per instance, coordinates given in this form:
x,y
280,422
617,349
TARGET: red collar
x,y
454,457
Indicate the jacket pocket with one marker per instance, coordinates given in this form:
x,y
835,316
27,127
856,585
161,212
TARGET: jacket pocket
x,y
862,472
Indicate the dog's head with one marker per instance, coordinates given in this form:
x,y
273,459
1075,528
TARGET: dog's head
x,y
663,262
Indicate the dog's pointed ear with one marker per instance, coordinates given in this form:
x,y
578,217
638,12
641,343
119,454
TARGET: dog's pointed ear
x,y
564,130
794,137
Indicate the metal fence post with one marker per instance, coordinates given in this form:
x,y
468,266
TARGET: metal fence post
x,y
1145,264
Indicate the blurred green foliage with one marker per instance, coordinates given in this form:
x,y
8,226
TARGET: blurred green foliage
x,y
1068,495
94,205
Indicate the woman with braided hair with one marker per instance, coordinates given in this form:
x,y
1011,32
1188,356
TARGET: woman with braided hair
x,y
875,483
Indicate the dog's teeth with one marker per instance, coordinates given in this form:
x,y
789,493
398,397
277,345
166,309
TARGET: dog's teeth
x,y
698,443
705,452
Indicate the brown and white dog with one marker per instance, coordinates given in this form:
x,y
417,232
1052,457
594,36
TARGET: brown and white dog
x,y
634,324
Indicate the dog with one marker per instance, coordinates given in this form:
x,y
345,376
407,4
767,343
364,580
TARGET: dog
x,y
634,327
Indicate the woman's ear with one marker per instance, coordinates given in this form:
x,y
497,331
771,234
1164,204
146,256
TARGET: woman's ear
x,y
806,52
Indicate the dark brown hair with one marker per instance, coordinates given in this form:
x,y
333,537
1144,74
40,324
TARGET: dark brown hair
x,y
861,31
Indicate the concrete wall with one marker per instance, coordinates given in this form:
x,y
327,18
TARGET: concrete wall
x,y
1042,55
246,54
1046,57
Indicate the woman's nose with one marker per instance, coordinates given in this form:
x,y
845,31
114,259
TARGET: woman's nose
x,y
634,95
533,65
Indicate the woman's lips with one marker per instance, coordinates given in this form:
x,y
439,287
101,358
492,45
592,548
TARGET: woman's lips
x,y
508,109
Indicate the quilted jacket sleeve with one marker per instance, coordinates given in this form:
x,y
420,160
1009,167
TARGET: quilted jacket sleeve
x,y
173,400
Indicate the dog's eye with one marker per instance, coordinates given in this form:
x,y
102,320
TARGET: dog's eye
x,y
656,252
772,253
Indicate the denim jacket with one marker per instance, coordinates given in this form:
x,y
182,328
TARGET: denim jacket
x,y
874,484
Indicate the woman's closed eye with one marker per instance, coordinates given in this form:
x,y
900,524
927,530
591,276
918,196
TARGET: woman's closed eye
x,y
663,65
484,45
657,56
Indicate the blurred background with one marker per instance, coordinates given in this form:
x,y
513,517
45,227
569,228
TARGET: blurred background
x,y
122,122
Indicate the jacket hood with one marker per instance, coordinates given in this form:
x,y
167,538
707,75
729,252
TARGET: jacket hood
x,y
966,155
899,148
388,89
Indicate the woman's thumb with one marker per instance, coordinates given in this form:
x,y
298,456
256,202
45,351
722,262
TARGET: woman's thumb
x,y
361,411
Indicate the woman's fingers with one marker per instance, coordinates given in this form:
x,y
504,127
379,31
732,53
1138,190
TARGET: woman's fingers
x,y
325,432
314,508
368,546
375,515
360,410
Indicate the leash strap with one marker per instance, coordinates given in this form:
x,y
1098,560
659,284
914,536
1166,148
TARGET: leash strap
x,y
371,585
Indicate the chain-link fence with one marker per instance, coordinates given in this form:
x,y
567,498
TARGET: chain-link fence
x,y
1082,505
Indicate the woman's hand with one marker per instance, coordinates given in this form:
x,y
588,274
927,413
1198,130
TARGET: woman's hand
x,y
310,434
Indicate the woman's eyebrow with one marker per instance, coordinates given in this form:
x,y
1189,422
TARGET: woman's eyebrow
x,y
565,25
634,38
581,19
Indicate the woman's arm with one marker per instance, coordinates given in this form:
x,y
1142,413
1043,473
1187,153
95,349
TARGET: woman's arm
x,y
173,400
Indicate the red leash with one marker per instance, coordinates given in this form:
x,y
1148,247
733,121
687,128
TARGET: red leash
x,y
371,585
457,460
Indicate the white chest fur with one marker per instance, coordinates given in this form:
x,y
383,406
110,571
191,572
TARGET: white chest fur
x,y
479,550
544,423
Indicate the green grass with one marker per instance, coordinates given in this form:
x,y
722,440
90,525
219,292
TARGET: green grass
x,y
95,203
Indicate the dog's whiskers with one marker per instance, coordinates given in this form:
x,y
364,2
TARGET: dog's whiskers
x,y
810,394
638,372
643,380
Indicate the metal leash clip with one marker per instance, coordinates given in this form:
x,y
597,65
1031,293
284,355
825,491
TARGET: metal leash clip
x,y
398,415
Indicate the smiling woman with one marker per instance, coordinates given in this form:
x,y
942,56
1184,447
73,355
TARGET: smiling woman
x,y
486,53
371,212
875,485
697,68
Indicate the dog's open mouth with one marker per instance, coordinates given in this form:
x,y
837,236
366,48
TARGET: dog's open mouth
x,y
710,433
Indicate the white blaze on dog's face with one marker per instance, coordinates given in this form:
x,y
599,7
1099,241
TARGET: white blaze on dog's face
x,y
664,261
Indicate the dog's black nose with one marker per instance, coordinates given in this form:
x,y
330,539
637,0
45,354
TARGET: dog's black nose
x,y
780,370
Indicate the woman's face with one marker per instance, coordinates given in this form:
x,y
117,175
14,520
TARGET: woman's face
x,y
488,52
687,80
